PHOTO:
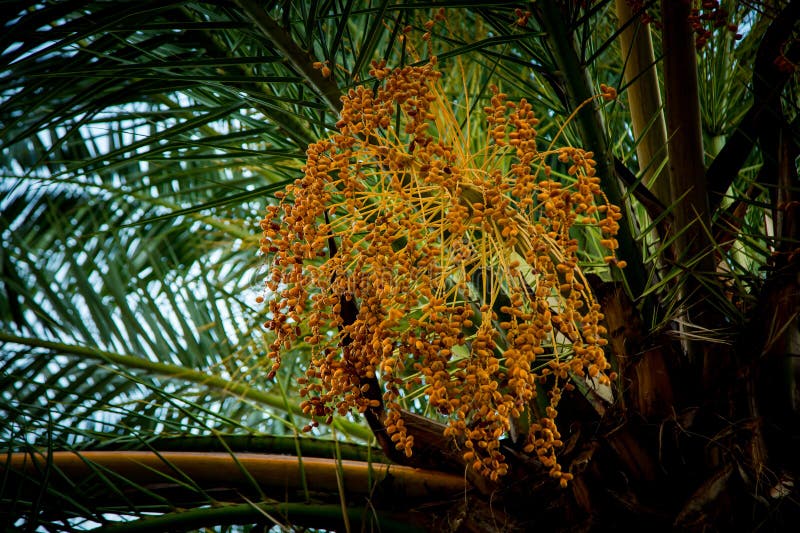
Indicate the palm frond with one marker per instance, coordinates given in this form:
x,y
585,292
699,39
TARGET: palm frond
x,y
139,145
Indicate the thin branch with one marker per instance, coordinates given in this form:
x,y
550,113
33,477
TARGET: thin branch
x,y
302,61
271,444
655,209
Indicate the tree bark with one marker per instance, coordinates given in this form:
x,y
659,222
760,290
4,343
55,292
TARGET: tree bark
x,y
688,189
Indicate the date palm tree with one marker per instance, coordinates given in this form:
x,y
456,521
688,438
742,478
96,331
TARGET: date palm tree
x,y
147,387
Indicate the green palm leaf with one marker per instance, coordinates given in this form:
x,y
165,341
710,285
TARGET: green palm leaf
x,y
140,143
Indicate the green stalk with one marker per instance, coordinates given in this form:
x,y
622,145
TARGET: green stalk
x,y
251,443
308,515
187,374
185,478
579,89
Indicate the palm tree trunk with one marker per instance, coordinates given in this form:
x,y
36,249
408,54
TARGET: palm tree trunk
x,y
688,188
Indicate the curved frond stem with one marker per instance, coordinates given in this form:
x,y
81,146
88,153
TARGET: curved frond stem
x,y
579,89
275,474
183,373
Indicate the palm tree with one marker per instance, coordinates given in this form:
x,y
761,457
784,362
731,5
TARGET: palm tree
x,y
143,141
